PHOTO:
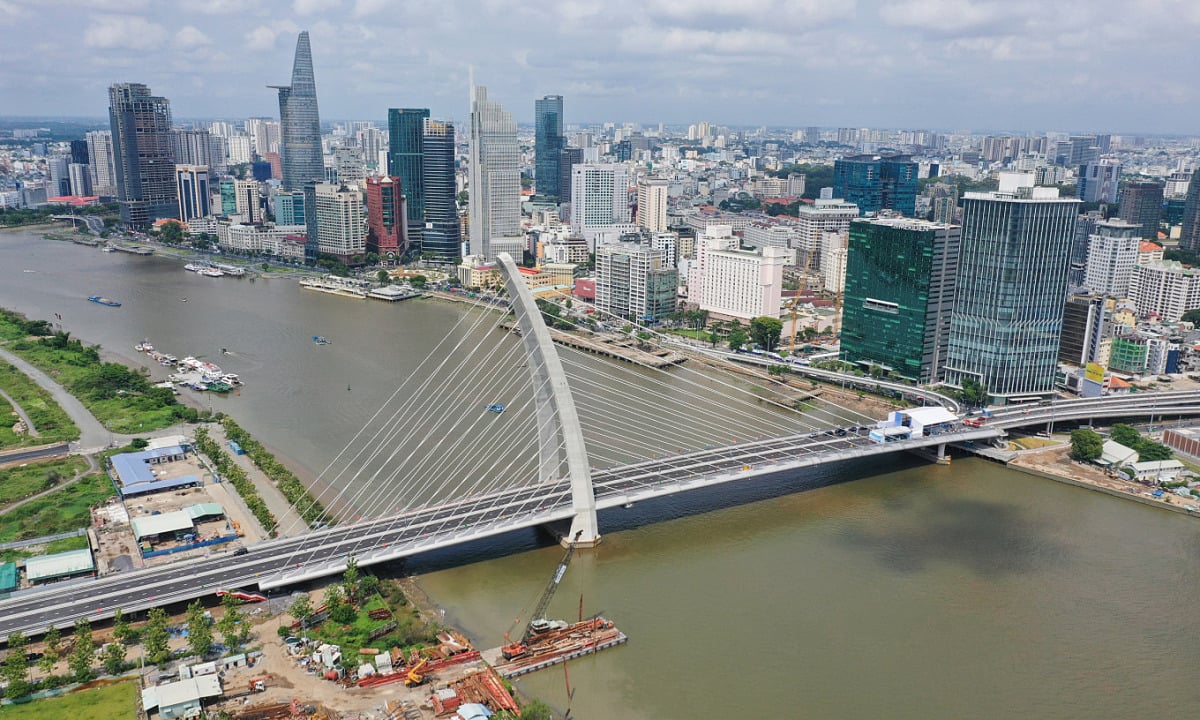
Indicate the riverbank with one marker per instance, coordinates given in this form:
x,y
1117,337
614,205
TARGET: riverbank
x,y
1056,464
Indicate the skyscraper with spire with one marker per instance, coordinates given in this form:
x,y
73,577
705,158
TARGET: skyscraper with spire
x,y
300,146
495,190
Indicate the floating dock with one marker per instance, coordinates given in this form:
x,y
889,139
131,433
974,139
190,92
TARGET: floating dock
x,y
132,249
393,293
559,646
333,285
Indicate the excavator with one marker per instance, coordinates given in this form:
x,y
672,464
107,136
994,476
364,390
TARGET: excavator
x,y
538,624
414,677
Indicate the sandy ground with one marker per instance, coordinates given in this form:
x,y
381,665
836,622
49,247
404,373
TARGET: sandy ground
x,y
1057,461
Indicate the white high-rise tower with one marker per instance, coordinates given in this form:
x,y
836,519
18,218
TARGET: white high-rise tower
x,y
495,189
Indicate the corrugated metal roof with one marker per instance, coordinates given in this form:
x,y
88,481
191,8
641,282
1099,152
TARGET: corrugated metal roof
x,y
209,509
158,524
59,564
147,487
179,693
8,576
132,468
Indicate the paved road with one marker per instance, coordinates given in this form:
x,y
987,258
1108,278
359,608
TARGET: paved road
x,y
13,456
30,428
92,433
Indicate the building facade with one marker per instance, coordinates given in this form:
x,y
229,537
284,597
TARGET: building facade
x,y
80,179
100,155
495,188
406,132
441,236
652,204
191,185
548,145
1012,279
142,156
1099,181
1165,289
1112,254
900,279
1142,204
300,122
734,283
387,221
341,224
826,215
1189,238
599,196
877,182
635,282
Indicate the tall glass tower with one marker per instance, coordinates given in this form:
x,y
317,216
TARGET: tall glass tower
x,y
406,127
142,158
441,235
1009,295
548,144
495,191
300,146
877,182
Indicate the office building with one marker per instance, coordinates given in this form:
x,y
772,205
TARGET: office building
x,y
1099,181
652,204
142,154
734,283
1083,330
1189,238
191,186
441,237
341,224
1164,289
79,152
81,179
100,153
289,207
406,131
348,164
548,145
60,176
386,220
300,122
877,182
599,196
495,189
834,257
192,147
899,296
827,215
1111,256
1012,278
569,158
635,282
1142,204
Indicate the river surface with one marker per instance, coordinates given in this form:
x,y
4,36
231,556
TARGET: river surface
x,y
888,589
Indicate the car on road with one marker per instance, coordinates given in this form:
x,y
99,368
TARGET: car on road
x,y
240,551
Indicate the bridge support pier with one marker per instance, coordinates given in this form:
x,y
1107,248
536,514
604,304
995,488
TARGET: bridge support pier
x,y
937,456
556,414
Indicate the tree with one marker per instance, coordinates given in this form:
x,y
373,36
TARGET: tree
x,y
350,577
973,392
200,636
1150,451
536,710
418,281
114,658
383,277
16,669
85,648
368,586
154,641
1086,445
171,233
232,624
737,337
302,609
1192,316
765,331
1127,435
53,652
121,630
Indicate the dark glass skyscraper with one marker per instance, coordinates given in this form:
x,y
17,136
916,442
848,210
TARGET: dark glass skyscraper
x,y
142,157
300,146
441,234
1142,204
568,158
1190,238
877,182
548,144
406,127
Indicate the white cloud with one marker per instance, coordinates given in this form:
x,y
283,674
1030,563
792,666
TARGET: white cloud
x,y
218,7
189,37
260,38
123,32
312,7
942,15
363,8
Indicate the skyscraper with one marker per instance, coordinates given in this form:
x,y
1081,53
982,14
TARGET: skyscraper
x,y
100,154
568,159
194,194
60,176
192,147
142,155
1012,280
81,179
1111,255
79,152
548,145
300,123
386,221
1142,204
899,295
495,190
599,196
340,227
441,234
1099,181
1189,239
652,204
877,182
406,128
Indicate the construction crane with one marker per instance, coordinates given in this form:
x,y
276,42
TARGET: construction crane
x,y
537,622
414,677
808,258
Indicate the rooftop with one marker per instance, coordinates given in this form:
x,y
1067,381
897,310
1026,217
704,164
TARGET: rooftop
x,y
178,693
60,564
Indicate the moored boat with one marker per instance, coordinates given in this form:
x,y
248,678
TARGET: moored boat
x,y
101,300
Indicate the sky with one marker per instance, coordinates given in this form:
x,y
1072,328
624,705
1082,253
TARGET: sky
x,y
981,65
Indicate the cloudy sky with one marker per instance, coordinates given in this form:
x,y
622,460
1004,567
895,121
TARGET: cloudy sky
x,y
1115,65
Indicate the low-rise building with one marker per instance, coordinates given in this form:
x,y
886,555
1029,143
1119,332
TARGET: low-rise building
x,y
182,699
60,566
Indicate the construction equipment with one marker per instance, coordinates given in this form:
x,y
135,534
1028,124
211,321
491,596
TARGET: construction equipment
x,y
537,622
258,684
414,677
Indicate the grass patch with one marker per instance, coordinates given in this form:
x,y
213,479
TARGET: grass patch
x,y
20,482
67,509
72,543
689,333
410,631
51,421
109,702
1033,443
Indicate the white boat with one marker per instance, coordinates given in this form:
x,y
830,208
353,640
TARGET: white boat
x,y
211,272
191,268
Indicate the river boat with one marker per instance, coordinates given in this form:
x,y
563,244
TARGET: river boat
x,y
191,268
101,300
211,272
320,339
496,408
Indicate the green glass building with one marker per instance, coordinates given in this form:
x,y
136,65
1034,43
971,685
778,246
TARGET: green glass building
x,y
900,281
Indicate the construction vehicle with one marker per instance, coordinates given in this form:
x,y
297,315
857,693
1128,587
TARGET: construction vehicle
x,y
538,624
258,684
414,677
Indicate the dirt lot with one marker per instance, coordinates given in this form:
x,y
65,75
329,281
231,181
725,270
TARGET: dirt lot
x,y
1057,461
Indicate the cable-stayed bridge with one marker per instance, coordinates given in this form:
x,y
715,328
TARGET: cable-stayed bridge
x,y
493,433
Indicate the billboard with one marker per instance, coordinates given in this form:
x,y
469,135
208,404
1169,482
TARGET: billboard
x,y
1094,372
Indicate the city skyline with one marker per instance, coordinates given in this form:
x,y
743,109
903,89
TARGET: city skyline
x,y
911,63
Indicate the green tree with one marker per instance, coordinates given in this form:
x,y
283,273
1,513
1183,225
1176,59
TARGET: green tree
x,y
114,658
171,233
737,337
121,630
154,638
85,648
200,636
16,668
383,277
1086,445
1150,451
536,710
973,393
1127,435
232,623
1192,316
368,586
53,652
765,331
302,609
419,281
350,577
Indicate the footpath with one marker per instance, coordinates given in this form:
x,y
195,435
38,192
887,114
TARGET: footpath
x,y
289,521
29,426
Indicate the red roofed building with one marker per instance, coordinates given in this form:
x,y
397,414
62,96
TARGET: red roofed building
x,y
1149,251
